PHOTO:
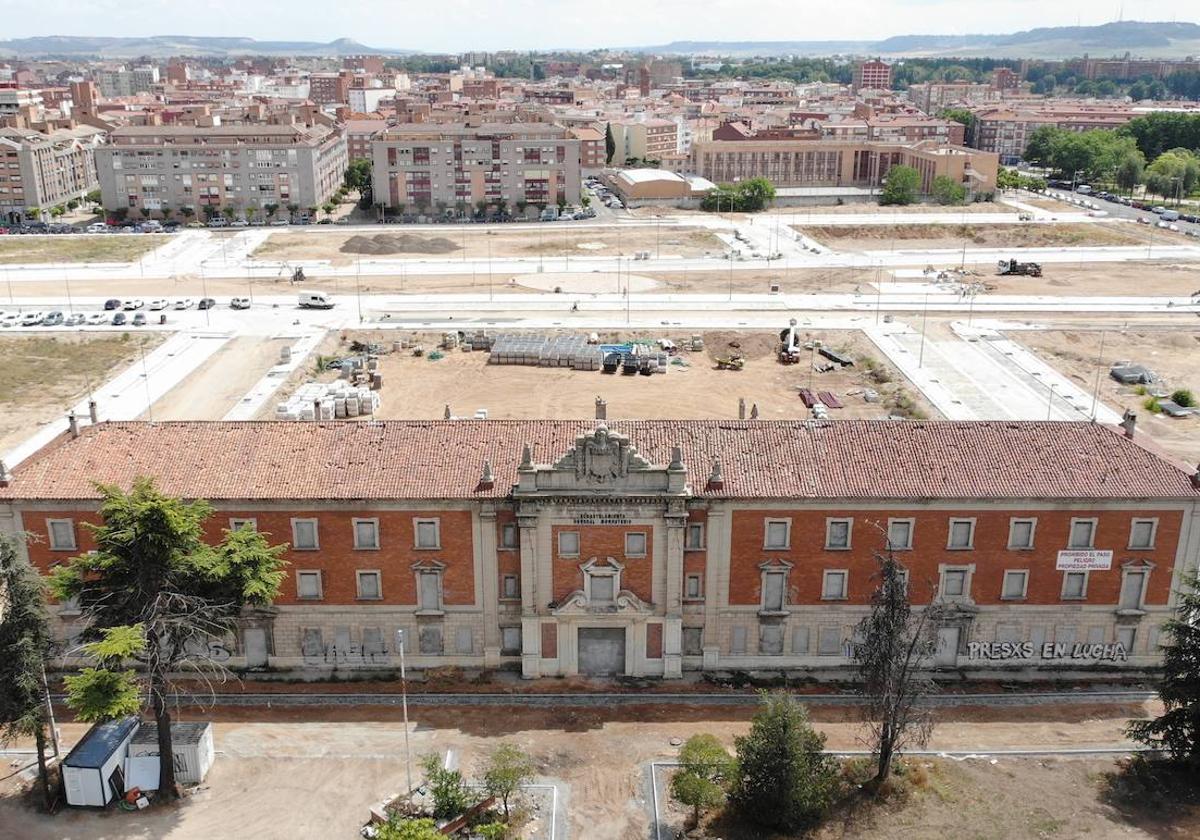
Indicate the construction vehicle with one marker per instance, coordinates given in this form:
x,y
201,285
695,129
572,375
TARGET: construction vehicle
x,y
1010,268
789,347
733,362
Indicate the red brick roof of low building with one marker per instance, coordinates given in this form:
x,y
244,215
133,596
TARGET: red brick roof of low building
x,y
443,459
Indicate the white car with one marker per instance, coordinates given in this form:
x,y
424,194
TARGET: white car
x,y
10,319
32,319
161,303
239,303
186,303
97,318
131,305
75,320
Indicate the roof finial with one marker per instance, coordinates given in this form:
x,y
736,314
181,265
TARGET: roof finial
x,y
527,458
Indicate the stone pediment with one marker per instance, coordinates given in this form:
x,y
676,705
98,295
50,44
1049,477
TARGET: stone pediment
x,y
626,603
602,461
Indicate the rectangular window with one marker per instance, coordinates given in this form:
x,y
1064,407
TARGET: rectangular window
x,y
693,587
693,641
1083,533
510,587
694,537
770,639
238,524
372,641
1074,585
369,587
837,534
366,533
1141,533
962,534
1133,586
635,545
1015,583
304,535
431,591
829,641
1020,533
428,533
1126,637
62,534
308,585
603,589
737,641
510,640
508,535
429,640
900,533
568,543
464,641
311,643
833,586
778,533
954,583
773,591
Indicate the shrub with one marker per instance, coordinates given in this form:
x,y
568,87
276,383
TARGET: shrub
x,y
1151,405
1183,397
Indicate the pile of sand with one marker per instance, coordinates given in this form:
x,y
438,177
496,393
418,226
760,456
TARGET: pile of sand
x,y
385,244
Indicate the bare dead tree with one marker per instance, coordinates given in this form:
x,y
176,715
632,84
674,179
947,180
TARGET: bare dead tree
x,y
894,642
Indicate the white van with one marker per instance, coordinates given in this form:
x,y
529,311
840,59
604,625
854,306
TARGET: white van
x,y
315,300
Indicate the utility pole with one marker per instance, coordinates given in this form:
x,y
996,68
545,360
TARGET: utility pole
x,y
404,705
924,320
1096,389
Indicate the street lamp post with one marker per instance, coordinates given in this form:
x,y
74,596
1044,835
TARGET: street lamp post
x,y
404,705
924,320
1050,401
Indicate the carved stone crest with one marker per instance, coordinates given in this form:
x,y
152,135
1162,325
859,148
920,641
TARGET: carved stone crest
x,y
602,456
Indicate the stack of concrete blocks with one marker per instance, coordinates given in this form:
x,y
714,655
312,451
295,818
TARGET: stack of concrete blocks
x,y
567,351
336,400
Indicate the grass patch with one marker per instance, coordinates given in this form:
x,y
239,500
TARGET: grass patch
x,y
58,367
1011,235
74,249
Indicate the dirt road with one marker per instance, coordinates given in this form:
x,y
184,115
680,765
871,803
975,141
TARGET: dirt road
x,y
210,392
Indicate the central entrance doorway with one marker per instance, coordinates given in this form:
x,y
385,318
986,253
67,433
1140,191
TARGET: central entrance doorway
x,y
601,651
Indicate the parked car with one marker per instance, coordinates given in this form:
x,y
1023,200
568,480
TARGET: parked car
x,y
139,320
112,303
10,319
132,304
97,227
32,319
97,318
239,303
206,303
119,319
76,319
184,303
53,319
280,223
160,303
239,223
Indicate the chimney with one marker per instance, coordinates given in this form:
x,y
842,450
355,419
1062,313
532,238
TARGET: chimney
x,y
754,412
715,480
526,458
487,480
446,413
5,475
316,411
741,408
1129,423
93,412
73,424
601,409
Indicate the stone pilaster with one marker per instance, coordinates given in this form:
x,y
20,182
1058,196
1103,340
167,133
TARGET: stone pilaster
x,y
489,570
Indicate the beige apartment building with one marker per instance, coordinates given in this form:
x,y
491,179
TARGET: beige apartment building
x,y
246,167
650,139
1006,130
456,165
836,163
46,170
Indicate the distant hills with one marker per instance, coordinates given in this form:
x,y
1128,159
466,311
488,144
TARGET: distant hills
x,y
163,46
1150,40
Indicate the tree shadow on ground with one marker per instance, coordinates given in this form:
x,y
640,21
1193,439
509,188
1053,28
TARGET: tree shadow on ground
x,y
1154,796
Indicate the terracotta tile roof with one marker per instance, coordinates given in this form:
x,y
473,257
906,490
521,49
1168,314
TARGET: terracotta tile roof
x,y
411,459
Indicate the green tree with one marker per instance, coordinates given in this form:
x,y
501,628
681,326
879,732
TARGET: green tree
x,y
894,643
900,186
94,197
784,781
271,208
522,205
1039,148
25,645
1130,170
946,190
109,691
705,771
449,791
1173,174
1177,730
400,828
755,194
358,175
610,144
152,570
508,768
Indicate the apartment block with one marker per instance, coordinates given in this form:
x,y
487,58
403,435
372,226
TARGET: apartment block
x,y
360,134
246,167
1005,130
657,548
330,88
126,81
649,139
873,75
429,164
46,170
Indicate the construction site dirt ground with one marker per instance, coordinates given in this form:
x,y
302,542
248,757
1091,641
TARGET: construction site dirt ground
x,y
910,237
18,250
1172,353
221,382
419,388
44,375
314,772
465,242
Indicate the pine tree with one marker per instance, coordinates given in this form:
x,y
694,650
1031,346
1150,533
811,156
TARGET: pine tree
x,y
1177,730
610,144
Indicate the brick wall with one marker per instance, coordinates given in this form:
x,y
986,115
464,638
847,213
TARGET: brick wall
x,y
603,541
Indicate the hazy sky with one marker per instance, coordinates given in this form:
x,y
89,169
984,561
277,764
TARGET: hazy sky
x,y
457,25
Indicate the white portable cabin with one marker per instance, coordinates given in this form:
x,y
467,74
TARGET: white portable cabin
x,y
191,745
93,772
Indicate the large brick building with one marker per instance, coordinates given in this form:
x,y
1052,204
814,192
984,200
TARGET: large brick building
x,y
649,548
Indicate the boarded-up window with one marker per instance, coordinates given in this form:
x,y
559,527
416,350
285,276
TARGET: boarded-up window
x,y
692,587
833,585
1131,590
770,639
1020,533
510,640
829,641
602,589
772,599
511,587
464,642
62,534
1095,635
372,641
635,545
1064,635
693,641
1083,533
568,543
777,534
508,535
428,534
1126,637
366,533
304,534
429,640
1141,534
737,645
800,641
430,590
1007,633
961,533
308,584
310,642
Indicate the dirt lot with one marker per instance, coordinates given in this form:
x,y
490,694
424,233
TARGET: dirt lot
x,y
1174,354
214,389
77,249
1102,279
468,243
44,376
839,209
1027,235
421,388
287,772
